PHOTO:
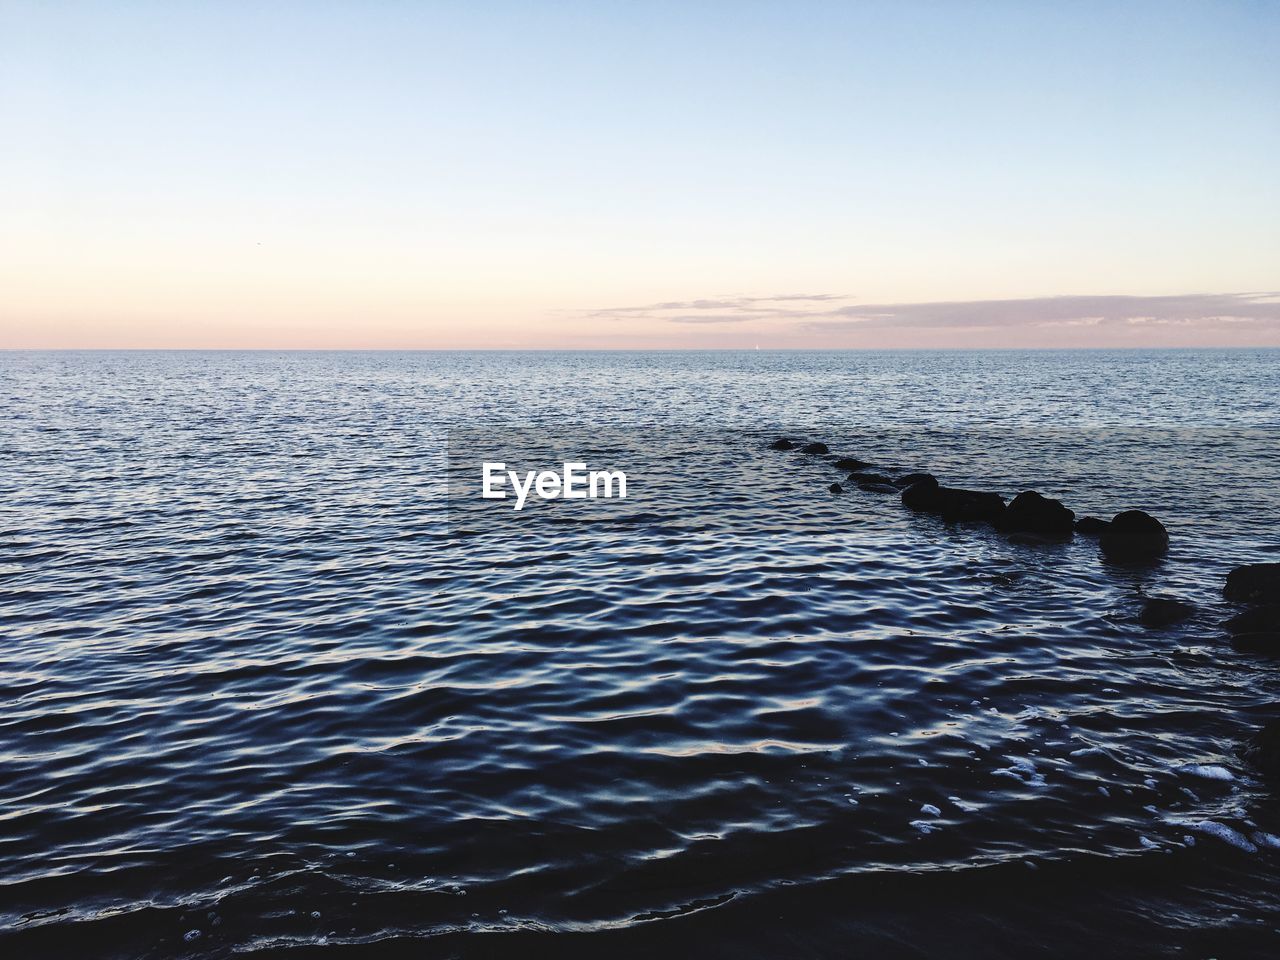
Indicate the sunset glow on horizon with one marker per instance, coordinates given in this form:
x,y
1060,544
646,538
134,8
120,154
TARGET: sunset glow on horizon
x,y
650,175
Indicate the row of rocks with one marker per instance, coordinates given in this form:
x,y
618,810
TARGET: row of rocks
x,y
1255,590
1131,536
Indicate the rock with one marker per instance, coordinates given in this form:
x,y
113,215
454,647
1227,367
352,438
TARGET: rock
x,y
861,478
1092,526
908,479
814,448
1261,644
782,443
836,488
1165,611
1263,619
877,488
1263,749
1134,536
1029,512
950,503
850,463
921,495
1257,630
1253,583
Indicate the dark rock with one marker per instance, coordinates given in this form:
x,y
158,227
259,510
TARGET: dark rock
x,y
1263,619
921,495
1029,512
836,488
908,479
814,448
1254,583
782,443
877,488
1265,643
1263,749
850,463
1134,536
1165,611
927,496
1006,579
1092,526
863,477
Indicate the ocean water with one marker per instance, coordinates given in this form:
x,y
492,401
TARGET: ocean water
x,y
277,681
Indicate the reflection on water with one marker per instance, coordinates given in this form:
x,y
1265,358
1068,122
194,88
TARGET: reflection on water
x,y
268,685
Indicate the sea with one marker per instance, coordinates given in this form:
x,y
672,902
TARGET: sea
x,y
277,680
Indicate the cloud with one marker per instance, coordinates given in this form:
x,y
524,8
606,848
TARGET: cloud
x,y
835,313
731,309
1196,309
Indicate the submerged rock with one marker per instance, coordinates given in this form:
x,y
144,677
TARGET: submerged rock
x,y
1256,630
1006,579
1092,526
836,488
1254,583
1263,749
1029,512
950,503
782,443
1258,620
1165,611
908,479
850,463
1262,644
877,487
1134,536
814,448
861,478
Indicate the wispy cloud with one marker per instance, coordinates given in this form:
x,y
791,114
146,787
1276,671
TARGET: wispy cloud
x,y
729,309
1197,309
835,313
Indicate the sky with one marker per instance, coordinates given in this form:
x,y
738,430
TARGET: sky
x,y
639,174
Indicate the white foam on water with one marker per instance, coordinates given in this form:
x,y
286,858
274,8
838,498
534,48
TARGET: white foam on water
x,y
1023,769
1207,771
924,826
930,809
1148,843
1088,752
1224,833
1104,791
1266,840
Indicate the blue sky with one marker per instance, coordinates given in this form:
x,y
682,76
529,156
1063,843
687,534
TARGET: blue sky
x,y
491,174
